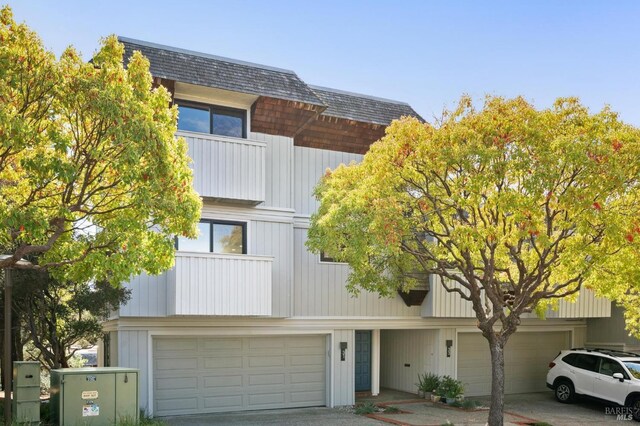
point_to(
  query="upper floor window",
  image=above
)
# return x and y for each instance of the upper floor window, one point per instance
(217, 120)
(217, 236)
(325, 258)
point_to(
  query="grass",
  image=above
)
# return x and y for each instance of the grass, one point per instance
(391, 409)
(145, 420)
(46, 420)
(366, 408)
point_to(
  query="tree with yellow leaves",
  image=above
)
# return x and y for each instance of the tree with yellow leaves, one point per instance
(93, 182)
(509, 207)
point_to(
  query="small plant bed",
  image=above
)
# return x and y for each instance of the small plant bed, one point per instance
(366, 408)
(428, 383)
(369, 408)
(450, 389)
(465, 404)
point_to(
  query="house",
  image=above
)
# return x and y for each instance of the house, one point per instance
(610, 332)
(248, 318)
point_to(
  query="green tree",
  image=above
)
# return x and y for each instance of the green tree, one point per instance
(509, 207)
(92, 180)
(59, 316)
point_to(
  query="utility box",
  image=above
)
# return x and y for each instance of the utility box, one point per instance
(26, 392)
(94, 396)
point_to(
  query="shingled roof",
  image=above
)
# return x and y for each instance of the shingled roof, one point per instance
(369, 109)
(202, 69)
(222, 73)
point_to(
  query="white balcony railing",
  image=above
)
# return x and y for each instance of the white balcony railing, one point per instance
(227, 168)
(218, 284)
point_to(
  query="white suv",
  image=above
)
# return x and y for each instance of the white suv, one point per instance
(608, 375)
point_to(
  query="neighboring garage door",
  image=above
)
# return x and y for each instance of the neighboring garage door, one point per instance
(527, 358)
(205, 375)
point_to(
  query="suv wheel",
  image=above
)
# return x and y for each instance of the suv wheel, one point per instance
(634, 405)
(565, 393)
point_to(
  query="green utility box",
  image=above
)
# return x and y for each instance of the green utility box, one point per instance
(94, 396)
(26, 392)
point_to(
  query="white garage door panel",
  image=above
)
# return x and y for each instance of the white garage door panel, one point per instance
(197, 375)
(527, 357)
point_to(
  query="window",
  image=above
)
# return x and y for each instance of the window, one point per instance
(217, 120)
(587, 362)
(570, 359)
(609, 366)
(217, 236)
(634, 368)
(325, 258)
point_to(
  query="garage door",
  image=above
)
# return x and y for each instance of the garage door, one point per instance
(206, 375)
(527, 358)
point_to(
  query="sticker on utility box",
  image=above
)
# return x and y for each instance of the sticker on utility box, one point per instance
(90, 410)
(89, 394)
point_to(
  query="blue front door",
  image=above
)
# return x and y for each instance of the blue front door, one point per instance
(363, 361)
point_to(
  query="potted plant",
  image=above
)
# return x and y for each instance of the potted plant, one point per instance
(451, 389)
(427, 384)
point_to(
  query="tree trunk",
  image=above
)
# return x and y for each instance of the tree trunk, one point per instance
(16, 337)
(496, 410)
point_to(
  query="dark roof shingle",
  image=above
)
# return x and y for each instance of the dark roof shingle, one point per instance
(222, 73)
(354, 106)
(238, 76)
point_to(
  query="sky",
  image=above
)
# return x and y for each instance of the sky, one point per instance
(426, 53)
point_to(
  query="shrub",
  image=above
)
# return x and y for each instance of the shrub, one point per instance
(366, 408)
(428, 382)
(470, 404)
(450, 387)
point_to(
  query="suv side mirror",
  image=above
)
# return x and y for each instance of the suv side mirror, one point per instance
(618, 376)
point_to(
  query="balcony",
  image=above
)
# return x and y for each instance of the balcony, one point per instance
(220, 285)
(227, 169)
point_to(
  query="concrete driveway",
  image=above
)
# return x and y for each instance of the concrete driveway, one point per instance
(519, 409)
(318, 416)
(544, 407)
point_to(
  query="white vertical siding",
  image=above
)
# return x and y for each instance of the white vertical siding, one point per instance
(403, 355)
(310, 165)
(446, 365)
(375, 362)
(133, 352)
(440, 303)
(215, 284)
(148, 296)
(275, 239)
(227, 168)
(587, 305)
(278, 166)
(320, 289)
(579, 337)
(609, 332)
(343, 371)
